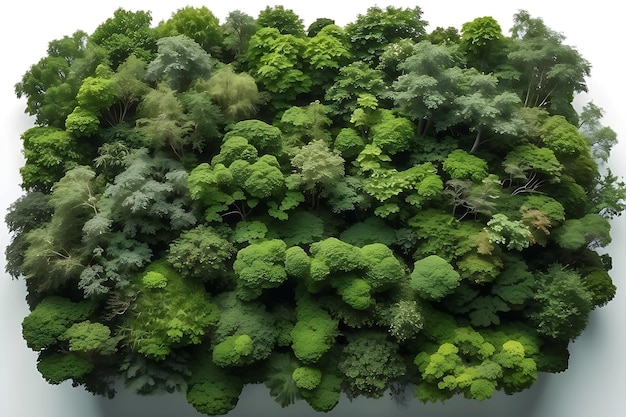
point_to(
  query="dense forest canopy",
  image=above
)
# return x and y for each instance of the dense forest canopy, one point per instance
(363, 209)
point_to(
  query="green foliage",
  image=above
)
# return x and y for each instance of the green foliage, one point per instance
(353, 80)
(145, 376)
(88, 337)
(512, 233)
(406, 320)
(393, 135)
(280, 379)
(265, 138)
(232, 351)
(236, 94)
(589, 231)
(433, 278)
(482, 40)
(51, 318)
(178, 62)
(563, 304)
(176, 314)
(238, 318)
(197, 23)
(370, 363)
(126, 33)
(461, 165)
(260, 266)
(303, 124)
(562, 137)
(306, 377)
(285, 20)
(317, 166)
(50, 94)
(154, 280)
(200, 253)
(371, 32)
(58, 367)
(28, 212)
(541, 62)
(212, 391)
(274, 61)
(314, 332)
(49, 153)
(238, 29)
(399, 212)
(348, 143)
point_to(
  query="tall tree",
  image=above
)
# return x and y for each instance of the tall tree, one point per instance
(238, 29)
(197, 23)
(375, 29)
(429, 85)
(285, 20)
(549, 72)
(126, 33)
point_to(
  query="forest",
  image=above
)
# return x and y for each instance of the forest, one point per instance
(369, 210)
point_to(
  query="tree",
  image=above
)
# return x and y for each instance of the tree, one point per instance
(600, 138)
(201, 253)
(163, 123)
(326, 53)
(128, 89)
(238, 318)
(179, 61)
(562, 304)
(563, 138)
(608, 195)
(369, 364)
(196, 23)
(428, 86)
(461, 165)
(259, 267)
(126, 33)
(314, 332)
(212, 390)
(482, 39)
(236, 94)
(57, 367)
(486, 109)
(267, 139)
(317, 167)
(371, 32)
(51, 318)
(354, 79)
(50, 86)
(588, 231)
(285, 20)
(303, 124)
(55, 253)
(49, 153)
(174, 313)
(25, 214)
(317, 25)
(549, 72)
(513, 233)
(441, 35)
(238, 29)
(433, 278)
(275, 61)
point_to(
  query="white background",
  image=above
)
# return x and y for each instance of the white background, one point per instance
(593, 386)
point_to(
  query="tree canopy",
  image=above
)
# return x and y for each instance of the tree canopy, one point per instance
(355, 209)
